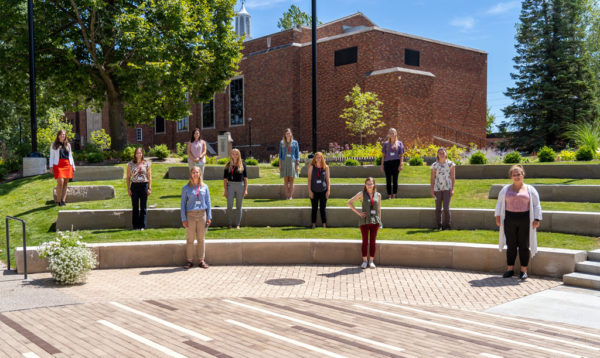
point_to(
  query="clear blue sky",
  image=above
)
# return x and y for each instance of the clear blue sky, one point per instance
(487, 25)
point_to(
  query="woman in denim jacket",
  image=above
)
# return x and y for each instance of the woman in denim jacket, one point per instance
(289, 159)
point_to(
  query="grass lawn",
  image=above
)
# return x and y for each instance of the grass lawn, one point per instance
(31, 199)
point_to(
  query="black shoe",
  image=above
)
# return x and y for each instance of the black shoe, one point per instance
(447, 227)
(523, 275)
(440, 228)
(62, 203)
(508, 274)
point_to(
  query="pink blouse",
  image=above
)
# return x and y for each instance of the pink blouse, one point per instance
(517, 202)
(196, 148)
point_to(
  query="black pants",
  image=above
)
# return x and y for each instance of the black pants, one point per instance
(319, 199)
(391, 175)
(139, 197)
(516, 230)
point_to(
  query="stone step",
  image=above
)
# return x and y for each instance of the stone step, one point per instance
(591, 267)
(594, 255)
(584, 280)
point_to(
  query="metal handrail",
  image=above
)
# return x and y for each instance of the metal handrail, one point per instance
(24, 244)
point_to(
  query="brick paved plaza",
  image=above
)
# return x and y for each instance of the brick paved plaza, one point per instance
(279, 311)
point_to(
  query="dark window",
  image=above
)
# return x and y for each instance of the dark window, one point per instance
(208, 114)
(411, 57)
(159, 125)
(346, 56)
(236, 102)
(138, 134)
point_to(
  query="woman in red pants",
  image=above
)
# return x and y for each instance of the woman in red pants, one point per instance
(370, 219)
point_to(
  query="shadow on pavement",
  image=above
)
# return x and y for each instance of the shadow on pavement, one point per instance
(346, 271)
(495, 282)
(162, 271)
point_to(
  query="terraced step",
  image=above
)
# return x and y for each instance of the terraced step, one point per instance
(591, 267)
(594, 255)
(584, 280)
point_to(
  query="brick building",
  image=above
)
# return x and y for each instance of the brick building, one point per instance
(431, 90)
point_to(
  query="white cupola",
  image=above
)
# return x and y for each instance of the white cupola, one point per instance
(242, 23)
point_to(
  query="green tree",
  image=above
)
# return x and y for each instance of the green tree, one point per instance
(294, 17)
(490, 118)
(552, 70)
(49, 125)
(138, 57)
(363, 115)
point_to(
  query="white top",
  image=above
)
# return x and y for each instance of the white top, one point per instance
(443, 180)
(55, 156)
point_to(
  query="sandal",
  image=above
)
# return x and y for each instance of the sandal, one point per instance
(188, 265)
(203, 265)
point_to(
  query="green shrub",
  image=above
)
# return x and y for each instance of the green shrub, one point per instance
(3, 172)
(478, 158)
(275, 162)
(184, 158)
(222, 161)
(251, 161)
(211, 160)
(512, 158)
(351, 162)
(13, 164)
(546, 154)
(78, 156)
(566, 155)
(95, 157)
(161, 151)
(127, 153)
(101, 139)
(378, 160)
(584, 153)
(416, 161)
(181, 149)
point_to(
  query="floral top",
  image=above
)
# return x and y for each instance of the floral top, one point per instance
(139, 171)
(443, 180)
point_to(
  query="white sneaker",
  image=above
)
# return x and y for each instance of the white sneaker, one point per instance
(372, 264)
(364, 265)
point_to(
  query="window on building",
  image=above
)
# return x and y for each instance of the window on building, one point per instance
(159, 125)
(182, 125)
(208, 114)
(236, 102)
(138, 134)
(411, 57)
(346, 56)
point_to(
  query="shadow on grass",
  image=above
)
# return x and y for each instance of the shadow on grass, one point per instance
(296, 228)
(52, 227)
(170, 196)
(162, 271)
(420, 231)
(343, 272)
(7, 187)
(494, 281)
(106, 231)
(266, 200)
(36, 210)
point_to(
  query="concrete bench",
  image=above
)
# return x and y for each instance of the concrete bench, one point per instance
(92, 173)
(559, 192)
(276, 191)
(363, 171)
(500, 171)
(211, 172)
(460, 256)
(77, 193)
(580, 223)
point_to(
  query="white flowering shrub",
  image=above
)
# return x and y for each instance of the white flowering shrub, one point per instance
(69, 260)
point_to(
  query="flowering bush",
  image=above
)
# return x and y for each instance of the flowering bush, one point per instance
(454, 153)
(68, 258)
(566, 155)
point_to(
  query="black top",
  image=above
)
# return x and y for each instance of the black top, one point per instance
(235, 175)
(318, 182)
(63, 152)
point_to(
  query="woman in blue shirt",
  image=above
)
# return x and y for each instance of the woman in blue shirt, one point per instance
(195, 216)
(289, 159)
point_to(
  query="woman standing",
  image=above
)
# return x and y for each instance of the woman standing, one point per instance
(196, 151)
(236, 186)
(195, 215)
(391, 162)
(139, 187)
(442, 187)
(63, 166)
(289, 159)
(318, 187)
(370, 218)
(518, 214)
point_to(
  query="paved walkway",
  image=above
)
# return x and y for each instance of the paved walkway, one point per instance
(280, 311)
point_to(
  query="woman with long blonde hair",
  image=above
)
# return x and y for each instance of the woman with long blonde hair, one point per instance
(235, 180)
(318, 187)
(391, 162)
(196, 216)
(62, 164)
(289, 160)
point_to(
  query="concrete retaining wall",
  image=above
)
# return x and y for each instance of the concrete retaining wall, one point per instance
(350, 172)
(477, 257)
(500, 171)
(92, 173)
(77, 193)
(211, 172)
(559, 192)
(276, 191)
(581, 223)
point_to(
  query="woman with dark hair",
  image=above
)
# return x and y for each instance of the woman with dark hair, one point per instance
(62, 164)
(196, 150)
(442, 187)
(318, 187)
(235, 180)
(518, 214)
(139, 187)
(195, 216)
(370, 218)
(289, 160)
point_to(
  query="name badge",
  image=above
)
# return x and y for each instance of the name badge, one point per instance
(318, 181)
(373, 212)
(289, 155)
(392, 153)
(198, 202)
(324, 185)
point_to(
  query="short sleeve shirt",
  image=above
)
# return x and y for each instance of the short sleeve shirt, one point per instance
(443, 180)
(139, 171)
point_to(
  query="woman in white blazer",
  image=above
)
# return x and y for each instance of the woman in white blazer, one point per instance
(518, 214)
(62, 164)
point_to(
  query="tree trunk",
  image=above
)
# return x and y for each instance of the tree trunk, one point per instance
(116, 119)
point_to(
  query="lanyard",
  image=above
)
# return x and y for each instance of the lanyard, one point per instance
(231, 176)
(319, 170)
(370, 197)
(289, 148)
(197, 192)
